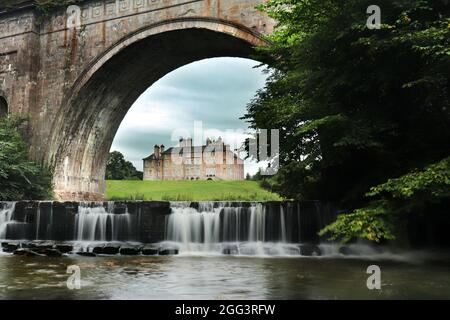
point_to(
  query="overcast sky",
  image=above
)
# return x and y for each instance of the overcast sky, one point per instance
(214, 92)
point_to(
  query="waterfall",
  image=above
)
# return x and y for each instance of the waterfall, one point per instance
(38, 221)
(253, 228)
(241, 228)
(6, 215)
(95, 223)
(283, 225)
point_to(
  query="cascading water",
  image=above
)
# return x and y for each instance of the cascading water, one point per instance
(9, 224)
(216, 227)
(43, 223)
(38, 222)
(236, 228)
(6, 214)
(95, 223)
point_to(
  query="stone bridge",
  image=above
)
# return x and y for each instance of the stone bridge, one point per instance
(76, 71)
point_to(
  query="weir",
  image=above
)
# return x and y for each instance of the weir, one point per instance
(232, 228)
(214, 227)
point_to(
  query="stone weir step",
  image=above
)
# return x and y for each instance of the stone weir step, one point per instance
(50, 249)
(59, 249)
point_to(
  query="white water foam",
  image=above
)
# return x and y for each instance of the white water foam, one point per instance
(6, 214)
(217, 228)
(95, 223)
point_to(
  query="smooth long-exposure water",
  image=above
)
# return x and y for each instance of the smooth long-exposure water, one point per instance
(221, 277)
(218, 251)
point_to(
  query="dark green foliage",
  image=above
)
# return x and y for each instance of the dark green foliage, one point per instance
(414, 192)
(20, 179)
(356, 107)
(117, 168)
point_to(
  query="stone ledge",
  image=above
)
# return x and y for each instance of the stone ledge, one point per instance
(13, 5)
(70, 196)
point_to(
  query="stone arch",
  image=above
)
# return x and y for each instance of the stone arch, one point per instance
(100, 98)
(3, 107)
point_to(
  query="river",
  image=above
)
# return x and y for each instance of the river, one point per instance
(223, 277)
(217, 251)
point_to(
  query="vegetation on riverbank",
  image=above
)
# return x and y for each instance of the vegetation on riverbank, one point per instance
(117, 168)
(20, 178)
(188, 191)
(364, 114)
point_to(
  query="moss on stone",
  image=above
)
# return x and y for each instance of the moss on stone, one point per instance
(41, 4)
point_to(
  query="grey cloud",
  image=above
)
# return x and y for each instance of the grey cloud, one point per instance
(214, 91)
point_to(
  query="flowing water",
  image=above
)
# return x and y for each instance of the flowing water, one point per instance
(226, 251)
(220, 277)
(100, 224)
(215, 228)
(5, 218)
(203, 228)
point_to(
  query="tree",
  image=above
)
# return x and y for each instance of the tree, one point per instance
(356, 107)
(117, 168)
(20, 179)
(417, 191)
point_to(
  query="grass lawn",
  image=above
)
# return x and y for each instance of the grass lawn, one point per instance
(188, 191)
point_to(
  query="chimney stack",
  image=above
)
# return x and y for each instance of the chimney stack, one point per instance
(186, 142)
(157, 151)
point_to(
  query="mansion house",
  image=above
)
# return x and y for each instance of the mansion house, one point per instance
(213, 161)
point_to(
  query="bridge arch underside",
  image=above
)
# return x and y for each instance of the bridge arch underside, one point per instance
(86, 125)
